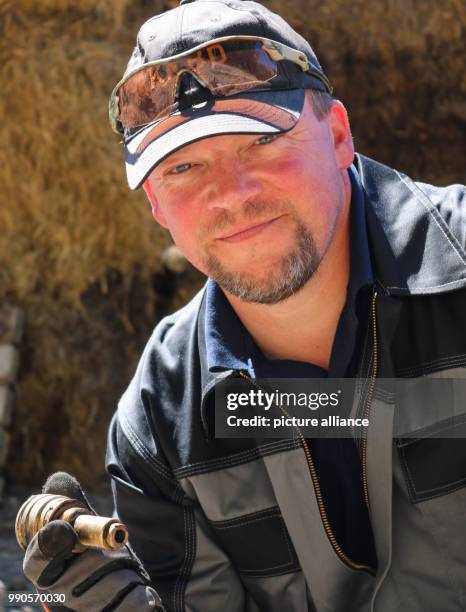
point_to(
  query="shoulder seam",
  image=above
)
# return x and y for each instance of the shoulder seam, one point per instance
(144, 453)
(439, 220)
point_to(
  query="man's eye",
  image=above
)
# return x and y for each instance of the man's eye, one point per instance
(180, 169)
(266, 139)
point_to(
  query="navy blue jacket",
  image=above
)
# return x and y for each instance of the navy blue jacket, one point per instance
(236, 524)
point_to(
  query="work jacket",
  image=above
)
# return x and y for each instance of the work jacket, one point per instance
(236, 525)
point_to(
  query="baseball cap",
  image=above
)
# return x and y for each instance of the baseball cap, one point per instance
(199, 113)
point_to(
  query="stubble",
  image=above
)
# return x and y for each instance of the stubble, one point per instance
(288, 277)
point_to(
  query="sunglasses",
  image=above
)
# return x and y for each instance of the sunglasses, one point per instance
(226, 66)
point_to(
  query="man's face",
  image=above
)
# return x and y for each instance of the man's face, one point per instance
(257, 213)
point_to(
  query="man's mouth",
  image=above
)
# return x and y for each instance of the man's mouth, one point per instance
(247, 231)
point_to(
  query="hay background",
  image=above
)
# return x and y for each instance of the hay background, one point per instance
(80, 252)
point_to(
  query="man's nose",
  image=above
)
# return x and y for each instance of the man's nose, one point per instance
(232, 186)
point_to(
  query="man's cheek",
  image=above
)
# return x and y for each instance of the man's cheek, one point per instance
(192, 248)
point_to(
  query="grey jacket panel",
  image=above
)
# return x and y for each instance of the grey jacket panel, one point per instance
(287, 592)
(428, 569)
(212, 572)
(333, 585)
(243, 506)
(240, 489)
(379, 474)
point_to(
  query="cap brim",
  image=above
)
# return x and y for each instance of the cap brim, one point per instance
(267, 112)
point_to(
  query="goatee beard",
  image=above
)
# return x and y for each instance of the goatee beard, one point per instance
(295, 270)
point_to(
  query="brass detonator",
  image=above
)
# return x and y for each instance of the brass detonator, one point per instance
(93, 531)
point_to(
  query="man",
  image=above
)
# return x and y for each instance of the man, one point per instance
(321, 264)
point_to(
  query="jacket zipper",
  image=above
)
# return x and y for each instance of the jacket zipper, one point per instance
(370, 395)
(310, 462)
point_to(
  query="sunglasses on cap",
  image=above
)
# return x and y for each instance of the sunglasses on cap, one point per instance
(225, 66)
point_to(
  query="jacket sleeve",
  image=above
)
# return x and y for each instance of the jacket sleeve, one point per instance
(168, 530)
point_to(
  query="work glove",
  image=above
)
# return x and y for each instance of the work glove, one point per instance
(93, 580)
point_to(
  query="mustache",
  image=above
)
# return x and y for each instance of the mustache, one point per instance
(252, 211)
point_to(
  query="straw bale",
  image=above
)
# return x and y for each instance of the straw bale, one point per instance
(398, 65)
(70, 230)
(81, 253)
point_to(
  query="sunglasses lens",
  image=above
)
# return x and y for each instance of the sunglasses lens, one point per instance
(236, 66)
(226, 68)
(146, 96)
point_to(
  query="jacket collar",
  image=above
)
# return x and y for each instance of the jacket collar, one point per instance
(413, 251)
(229, 345)
(209, 378)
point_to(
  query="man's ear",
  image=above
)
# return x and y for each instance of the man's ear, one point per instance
(156, 212)
(342, 137)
